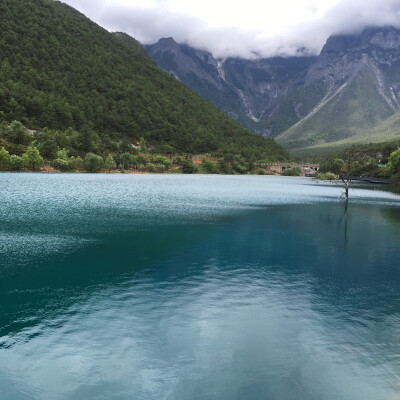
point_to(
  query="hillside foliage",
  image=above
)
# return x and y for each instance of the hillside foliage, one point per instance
(59, 70)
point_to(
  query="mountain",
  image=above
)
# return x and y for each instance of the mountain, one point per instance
(60, 70)
(386, 131)
(248, 90)
(350, 88)
(357, 80)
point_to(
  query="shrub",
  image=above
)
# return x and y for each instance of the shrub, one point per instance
(15, 162)
(76, 163)
(240, 169)
(150, 167)
(261, 171)
(93, 162)
(4, 159)
(188, 167)
(328, 176)
(61, 164)
(109, 163)
(32, 159)
(160, 168)
(335, 166)
(296, 171)
(209, 167)
(177, 161)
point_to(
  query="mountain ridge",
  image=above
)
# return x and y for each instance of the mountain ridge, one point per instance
(353, 85)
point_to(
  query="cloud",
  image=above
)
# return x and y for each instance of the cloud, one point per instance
(231, 29)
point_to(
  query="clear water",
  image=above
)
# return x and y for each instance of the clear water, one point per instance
(197, 287)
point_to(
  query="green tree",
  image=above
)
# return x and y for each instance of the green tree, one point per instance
(19, 134)
(109, 163)
(241, 169)
(4, 159)
(335, 166)
(209, 167)
(76, 163)
(32, 158)
(15, 162)
(251, 164)
(61, 162)
(143, 145)
(126, 160)
(229, 159)
(93, 162)
(393, 165)
(260, 171)
(296, 171)
(188, 167)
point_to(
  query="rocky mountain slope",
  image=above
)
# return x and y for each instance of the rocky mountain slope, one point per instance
(248, 90)
(350, 88)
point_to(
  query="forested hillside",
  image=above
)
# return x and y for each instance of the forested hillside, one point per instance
(60, 70)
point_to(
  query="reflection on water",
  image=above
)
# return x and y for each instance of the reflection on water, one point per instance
(197, 287)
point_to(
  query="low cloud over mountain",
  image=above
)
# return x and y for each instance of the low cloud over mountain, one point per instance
(251, 30)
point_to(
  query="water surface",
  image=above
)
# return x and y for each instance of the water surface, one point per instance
(197, 287)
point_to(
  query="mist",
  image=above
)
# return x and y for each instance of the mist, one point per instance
(259, 29)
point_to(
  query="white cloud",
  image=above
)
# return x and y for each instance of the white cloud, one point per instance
(227, 28)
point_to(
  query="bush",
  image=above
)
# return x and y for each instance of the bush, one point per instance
(209, 167)
(328, 176)
(188, 167)
(335, 166)
(93, 162)
(32, 159)
(296, 171)
(240, 169)
(222, 167)
(177, 161)
(160, 168)
(4, 159)
(166, 164)
(109, 163)
(61, 164)
(260, 171)
(76, 163)
(393, 165)
(15, 162)
(150, 167)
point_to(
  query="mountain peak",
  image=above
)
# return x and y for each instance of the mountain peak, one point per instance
(167, 42)
(387, 37)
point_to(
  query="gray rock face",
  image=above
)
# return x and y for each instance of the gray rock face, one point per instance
(269, 96)
(247, 90)
(181, 60)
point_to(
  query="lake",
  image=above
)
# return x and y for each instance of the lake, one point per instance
(183, 287)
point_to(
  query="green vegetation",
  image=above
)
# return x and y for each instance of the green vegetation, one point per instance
(260, 171)
(208, 167)
(63, 151)
(345, 120)
(327, 176)
(334, 166)
(86, 90)
(378, 160)
(295, 171)
(393, 166)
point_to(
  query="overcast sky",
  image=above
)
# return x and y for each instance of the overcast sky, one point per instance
(241, 28)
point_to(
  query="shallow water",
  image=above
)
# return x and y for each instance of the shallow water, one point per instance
(197, 287)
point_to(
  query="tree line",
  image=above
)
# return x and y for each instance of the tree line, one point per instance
(65, 151)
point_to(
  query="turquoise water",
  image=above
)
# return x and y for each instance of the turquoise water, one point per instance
(197, 287)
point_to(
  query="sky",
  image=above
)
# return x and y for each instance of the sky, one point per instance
(247, 29)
